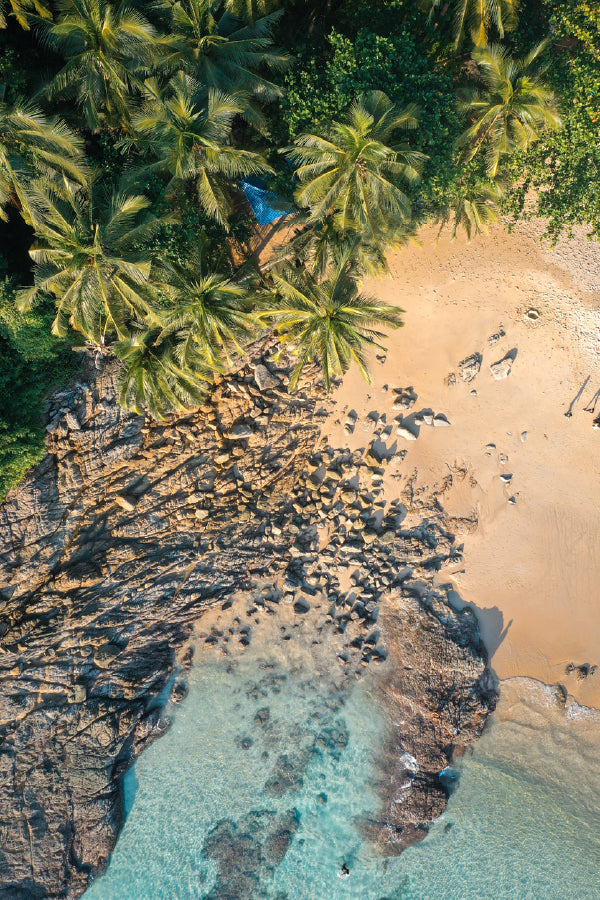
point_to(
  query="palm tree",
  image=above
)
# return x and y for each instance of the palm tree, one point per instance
(89, 254)
(23, 10)
(319, 247)
(151, 378)
(221, 53)
(250, 10)
(105, 45)
(476, 208)
(478, 17)
(329, 322)
(353, 171)
(210, 315)
(510, 108)
(192, 141)
(30, 144)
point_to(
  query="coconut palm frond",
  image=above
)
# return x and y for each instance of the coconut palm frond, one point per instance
(100, 282)
(328, 322)
(511, 107)
(354, 172)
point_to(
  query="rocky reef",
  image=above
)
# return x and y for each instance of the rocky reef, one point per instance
(131, 533)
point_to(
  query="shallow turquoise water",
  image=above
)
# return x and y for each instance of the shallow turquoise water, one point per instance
(260, 789)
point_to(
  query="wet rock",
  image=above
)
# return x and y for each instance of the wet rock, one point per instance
(248, 851)
(262, 716)
(288, 773)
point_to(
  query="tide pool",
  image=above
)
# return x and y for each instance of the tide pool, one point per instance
(264, 784)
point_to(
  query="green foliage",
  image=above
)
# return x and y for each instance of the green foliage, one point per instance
(24, 11)
(91, 256)
(320, 91)
(329, 322)
(190, 136)
(106, 45)
(509, 105)
(476, 19)
(353, 170)
(32, 144)
(225, 53)
(32, 363)
(563, 168)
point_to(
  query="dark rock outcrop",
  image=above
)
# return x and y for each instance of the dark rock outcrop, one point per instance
(116, 544)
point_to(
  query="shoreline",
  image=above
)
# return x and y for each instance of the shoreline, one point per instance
(129, 531)
(138, 515)
(529, 563)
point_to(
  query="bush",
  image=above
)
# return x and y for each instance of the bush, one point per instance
(32, 363)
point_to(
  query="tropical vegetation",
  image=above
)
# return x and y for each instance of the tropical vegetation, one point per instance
(128, 130)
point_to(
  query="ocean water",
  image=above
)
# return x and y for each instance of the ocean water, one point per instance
(264, 783)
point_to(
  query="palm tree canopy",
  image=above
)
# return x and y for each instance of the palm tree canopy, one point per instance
(152, 380)
(477, 207)
(477, 17)
(320, 246)
(105, 45)
(210, 314)
(192, 140)
(220, 52)
(250, 10)
(89, 256)
(329, 322)
(510, 108)
(30, 144)
(353, 171)
(23, 11)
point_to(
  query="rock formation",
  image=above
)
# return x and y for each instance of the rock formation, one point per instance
(129, 530)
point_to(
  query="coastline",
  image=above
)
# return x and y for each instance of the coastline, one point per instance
(129, 531)
(123, 510)
(529, 567)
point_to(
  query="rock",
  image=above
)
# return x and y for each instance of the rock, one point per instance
(469, 367)
(125, 502)
(105, 654)
(301, 606)
(406, 433)
(264, 379)
(501, 369)
(348, 496)
(201, 514)
(523, 437)
(240, 433)
(506, 478)
(72, 422)
(440, 421)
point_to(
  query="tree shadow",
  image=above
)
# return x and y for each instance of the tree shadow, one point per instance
(491, 622)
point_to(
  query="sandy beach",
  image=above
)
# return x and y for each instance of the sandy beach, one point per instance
(511, 461)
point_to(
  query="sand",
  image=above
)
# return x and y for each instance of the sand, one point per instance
(531, 567)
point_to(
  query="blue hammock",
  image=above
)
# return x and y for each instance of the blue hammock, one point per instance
(265, 205)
